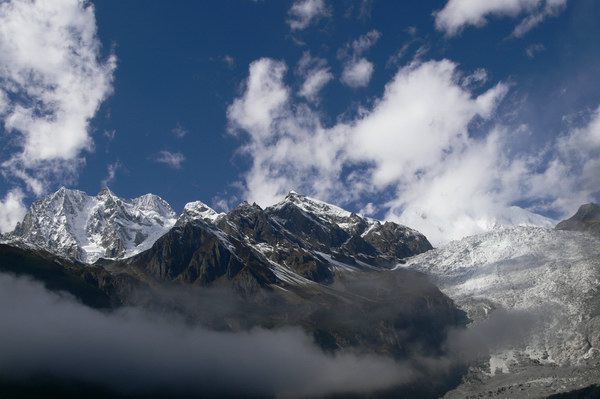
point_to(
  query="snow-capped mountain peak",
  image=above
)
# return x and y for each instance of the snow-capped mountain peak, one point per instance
(329, 213)
(73, 224)
(198, 210)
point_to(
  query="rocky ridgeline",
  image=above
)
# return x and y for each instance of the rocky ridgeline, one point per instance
(296, 241)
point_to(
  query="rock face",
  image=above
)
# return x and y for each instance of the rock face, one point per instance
(296, 242)
(586, 219)
(552, 275)
(71, 224)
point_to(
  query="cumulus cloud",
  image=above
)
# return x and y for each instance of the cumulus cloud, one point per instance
(316, 74)
(358, 70)
(458, 14)
(173, 160)
(305, 12)
(12, 210)
(357, 73)
(53, 80)
(264, 97)
(419, 154)
(127, 350)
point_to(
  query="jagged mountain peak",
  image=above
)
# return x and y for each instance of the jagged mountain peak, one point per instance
(72, 224)
(105, 192)
(198, 210)
(154, 203)
(314, 205)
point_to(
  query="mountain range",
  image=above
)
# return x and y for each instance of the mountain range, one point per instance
(303, 262)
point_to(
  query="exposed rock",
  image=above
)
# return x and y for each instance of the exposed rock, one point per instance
(586, 219)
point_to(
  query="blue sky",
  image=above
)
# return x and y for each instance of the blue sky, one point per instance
(449, 116)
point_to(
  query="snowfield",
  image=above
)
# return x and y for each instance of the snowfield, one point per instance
(553, 274)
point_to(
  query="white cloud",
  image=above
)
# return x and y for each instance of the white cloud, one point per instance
(469, 192)
(458, 14)
(358, 70)
(305, 12)
(3, 102)
(50, 67)
(171, 159)
(357, 73)
(229, 61)
(179, 131)
(533, 49)
(573, 173)
(264, 97)
(316, 74)
(365, 42)
(415, 143)
(423, 116)
(314, 83)
(12, 210)
(111, 173)
(476, 79)
(110, 134)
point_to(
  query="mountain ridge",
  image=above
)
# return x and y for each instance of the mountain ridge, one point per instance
(75, 225)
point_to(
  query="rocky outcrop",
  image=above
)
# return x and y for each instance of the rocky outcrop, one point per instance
(586, 219)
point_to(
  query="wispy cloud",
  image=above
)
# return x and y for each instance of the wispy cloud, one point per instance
(316, 74)
(171, 159)
(358, 70)
(303, 13)
(229, 61)
(110, 134)
(179, 131)
(457, 14)
(534, 49)
(111, 173)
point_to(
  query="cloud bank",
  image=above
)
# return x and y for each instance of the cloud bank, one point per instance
(132, 351)
(458, 14)
(420, 151)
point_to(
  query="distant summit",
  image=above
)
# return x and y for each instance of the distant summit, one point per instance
(72, 224)
(587, 219)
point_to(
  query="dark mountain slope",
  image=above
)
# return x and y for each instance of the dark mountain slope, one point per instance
(587, 218)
